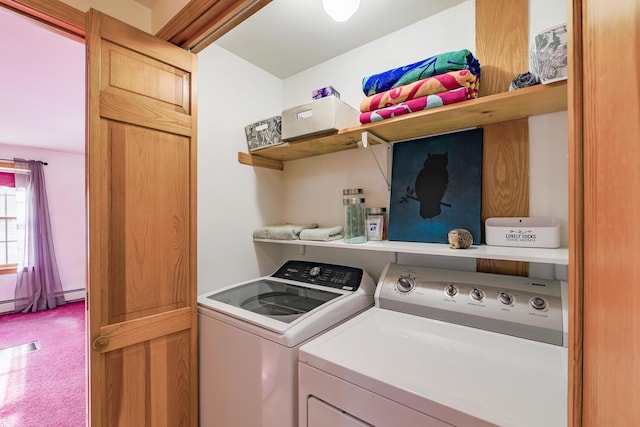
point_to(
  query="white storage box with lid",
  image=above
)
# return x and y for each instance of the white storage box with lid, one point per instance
(528, 232)
(316, 117)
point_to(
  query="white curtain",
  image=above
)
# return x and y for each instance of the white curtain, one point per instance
(38, 284)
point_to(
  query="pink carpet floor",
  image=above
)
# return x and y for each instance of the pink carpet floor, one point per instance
(46, 387)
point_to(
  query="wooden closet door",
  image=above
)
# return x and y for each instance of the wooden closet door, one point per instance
(611, 161)
(141, 181)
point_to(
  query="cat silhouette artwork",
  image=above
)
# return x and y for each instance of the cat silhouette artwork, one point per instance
(431, 184)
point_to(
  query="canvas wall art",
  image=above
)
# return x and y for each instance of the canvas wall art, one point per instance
(436, 186)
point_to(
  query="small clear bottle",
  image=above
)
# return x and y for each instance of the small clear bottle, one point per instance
(354, 216)
(376, 223)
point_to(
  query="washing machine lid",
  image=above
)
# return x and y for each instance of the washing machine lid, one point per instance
(275, 305)
(277, 300)
(297, 302)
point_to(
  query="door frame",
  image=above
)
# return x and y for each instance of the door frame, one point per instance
(196, 26)
(576, 213)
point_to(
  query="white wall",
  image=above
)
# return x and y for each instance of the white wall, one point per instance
(544, 14)
(310, 190)
(64, 177)
(233, 199)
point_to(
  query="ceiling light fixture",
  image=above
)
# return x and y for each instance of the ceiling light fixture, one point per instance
(340, 10)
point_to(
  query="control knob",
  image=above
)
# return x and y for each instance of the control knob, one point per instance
(314, 272)
(506, 298)
(538, 303)
(405, 284)
(450, 290)
(477, 294)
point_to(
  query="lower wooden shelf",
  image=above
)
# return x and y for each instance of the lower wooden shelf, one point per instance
(558, 256)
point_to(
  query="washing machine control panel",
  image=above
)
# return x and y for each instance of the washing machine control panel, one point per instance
(330, 275)
(520, 306)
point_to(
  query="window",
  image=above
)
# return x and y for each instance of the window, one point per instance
(12, 201)
(8, 230)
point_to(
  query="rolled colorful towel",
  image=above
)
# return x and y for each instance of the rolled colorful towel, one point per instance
(413, 105)
(429, 86)
(434, 65)
(322, 233)
(282, 231)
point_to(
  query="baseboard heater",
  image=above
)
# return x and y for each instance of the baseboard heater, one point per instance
(69, 295)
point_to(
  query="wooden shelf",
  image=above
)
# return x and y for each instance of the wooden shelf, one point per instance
(558, 256)
(518, 104)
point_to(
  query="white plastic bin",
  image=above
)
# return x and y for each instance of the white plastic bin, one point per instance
(529, 232)
(316, 117)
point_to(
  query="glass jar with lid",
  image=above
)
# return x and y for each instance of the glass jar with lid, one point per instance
(354, 215)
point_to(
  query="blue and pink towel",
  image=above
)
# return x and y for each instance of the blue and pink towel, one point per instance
(416, 104)
(426, 80)
(429, 86)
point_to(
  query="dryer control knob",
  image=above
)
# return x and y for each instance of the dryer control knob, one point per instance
(405, 284)
(506, 298)
(477, 294)
(538, 303)
(450, 290)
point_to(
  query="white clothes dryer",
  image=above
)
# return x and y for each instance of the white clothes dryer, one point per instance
(250, 334)
(442, 348)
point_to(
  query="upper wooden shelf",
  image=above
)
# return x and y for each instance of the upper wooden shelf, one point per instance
(518, 104)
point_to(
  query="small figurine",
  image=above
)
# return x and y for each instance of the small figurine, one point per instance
(459, 238)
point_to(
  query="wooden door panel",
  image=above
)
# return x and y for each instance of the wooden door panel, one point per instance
(144, 85)
(141, 75)
(141, 181)
(147, 380)
(170, 360)
(149, 224)
(144, 76)
(122, 34)
(126, 385)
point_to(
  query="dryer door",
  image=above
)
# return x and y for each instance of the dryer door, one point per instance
(322, 414)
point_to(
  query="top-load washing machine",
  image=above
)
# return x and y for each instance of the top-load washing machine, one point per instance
(443, 348)
(250, 334)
